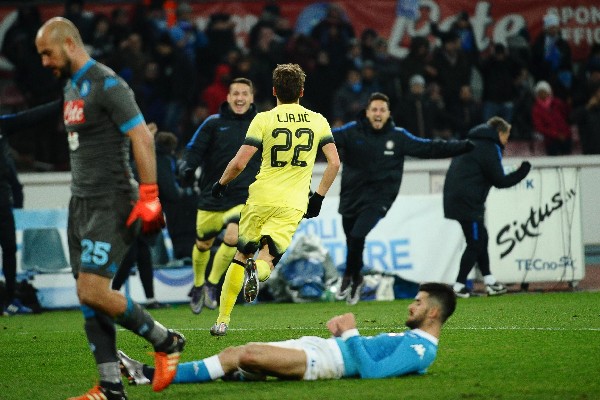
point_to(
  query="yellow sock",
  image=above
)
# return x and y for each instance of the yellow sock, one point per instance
(234, 280)
(263, 270)
(221, 261)
(199, 263)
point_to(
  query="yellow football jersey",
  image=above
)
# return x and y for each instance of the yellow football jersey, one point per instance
(289, 137)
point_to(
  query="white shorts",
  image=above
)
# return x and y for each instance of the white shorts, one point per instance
(323, 356)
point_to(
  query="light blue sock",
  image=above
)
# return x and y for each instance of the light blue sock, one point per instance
(205, 370)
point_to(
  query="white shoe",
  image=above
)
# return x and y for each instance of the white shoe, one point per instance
(132, 369)
(495, 289)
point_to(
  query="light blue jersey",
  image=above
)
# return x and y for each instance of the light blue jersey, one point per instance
(388, 355)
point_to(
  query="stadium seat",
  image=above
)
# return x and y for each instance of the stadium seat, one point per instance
(43, 251)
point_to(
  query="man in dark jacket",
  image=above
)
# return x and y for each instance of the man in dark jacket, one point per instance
(215, 143)
(468, 182)
(373, 151)
(11, 196)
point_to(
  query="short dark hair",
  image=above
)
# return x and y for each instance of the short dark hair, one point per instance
(288, 81)
(499, 124)
(244, 81)
(443, 294)
(378, 96)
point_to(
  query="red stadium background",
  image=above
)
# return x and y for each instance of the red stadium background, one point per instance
(393, 19)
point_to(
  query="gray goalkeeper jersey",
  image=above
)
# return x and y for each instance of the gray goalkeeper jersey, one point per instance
(99, 109)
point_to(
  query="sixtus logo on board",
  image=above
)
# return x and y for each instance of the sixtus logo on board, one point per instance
(513, 233)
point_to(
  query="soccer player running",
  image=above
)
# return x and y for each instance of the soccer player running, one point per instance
(215, 143)
(105, 212)
(288, 138)
(346, 355)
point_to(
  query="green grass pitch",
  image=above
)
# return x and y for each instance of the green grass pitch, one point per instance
(517, 346)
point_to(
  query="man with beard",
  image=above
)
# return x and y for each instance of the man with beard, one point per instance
(105, 212)
(372, 150)
(345, 355)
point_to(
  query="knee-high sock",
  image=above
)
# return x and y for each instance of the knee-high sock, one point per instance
(102, 338)
(263, 270)
(140, 322)
(205, 370)
(199, 263)
(234, 280)
(223, 257)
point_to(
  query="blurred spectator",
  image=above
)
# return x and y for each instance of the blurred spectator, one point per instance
(416, 62)
(120, 27)
(150, 94)
(415, 112)
(179, 204)
(320, 86)
(266, 52)
(198, 113)
(370, 80)
(584, 86)
(334, 34)
(522, 122)
(102, 42)
(368, 40)
(354, 58)
(587, 118)
(83, 20)
(270, 17)
(186, 35)
(149, 21)
(388, 71)
(499, 72)
(221, 39)
(216, 93)
(130, 60)
(551, 57)
(349, 99)
(177, 81)
(452, 68)
(519, 47)
(464, 29)
(35, 82)
(303, 50)
(464, 114)
(550, 118)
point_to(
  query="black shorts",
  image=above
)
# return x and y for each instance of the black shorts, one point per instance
(97, 235)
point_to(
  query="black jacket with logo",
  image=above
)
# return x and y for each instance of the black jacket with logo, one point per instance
(374, 162)
(214, 144)
(471, 176)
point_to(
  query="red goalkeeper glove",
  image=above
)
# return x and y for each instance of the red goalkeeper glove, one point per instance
(148, 209)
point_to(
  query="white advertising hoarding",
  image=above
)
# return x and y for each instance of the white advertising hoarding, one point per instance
(535, 228)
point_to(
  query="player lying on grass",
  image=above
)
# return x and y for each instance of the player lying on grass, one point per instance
(347, 354)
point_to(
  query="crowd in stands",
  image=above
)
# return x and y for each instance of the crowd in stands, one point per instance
(444, 86)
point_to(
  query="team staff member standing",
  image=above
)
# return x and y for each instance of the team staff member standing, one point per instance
(288, 137)
(11, 196)
(468, 182)
(100, 113)
(373, 150)
(215, 143)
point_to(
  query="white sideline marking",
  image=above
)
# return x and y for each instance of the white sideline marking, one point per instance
(401, 329)
(395, 329)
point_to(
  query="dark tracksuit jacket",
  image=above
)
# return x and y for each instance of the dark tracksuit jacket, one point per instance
(214, 144)
(374, 162)
(471, 176)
